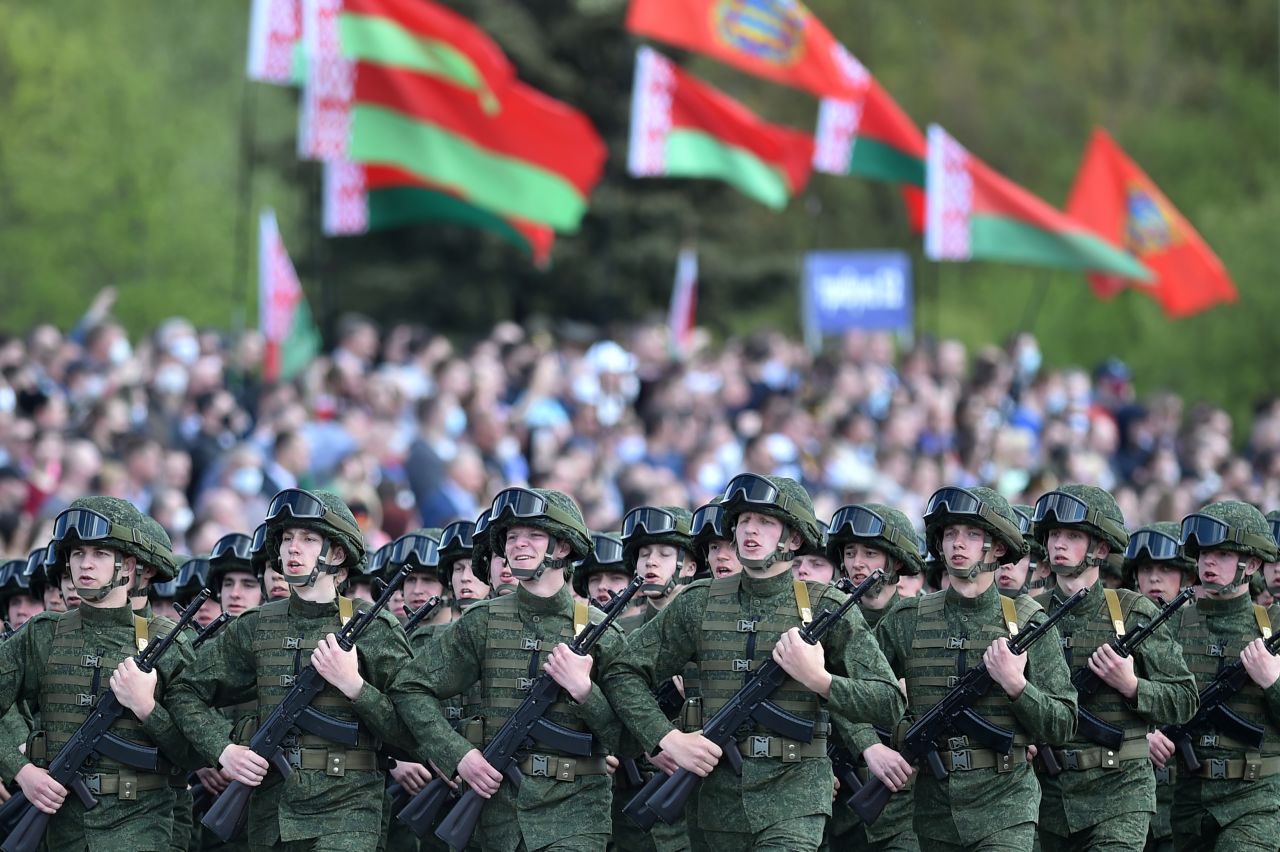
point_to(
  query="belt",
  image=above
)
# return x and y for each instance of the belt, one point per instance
(333, 762)
(790, 751)
(1245, 769)
(124, 786)
(1080, 759)
(983, 758)
(562, 768)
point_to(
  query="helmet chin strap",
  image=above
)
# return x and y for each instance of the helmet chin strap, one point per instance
(1236, 581)
(118, 580)
(661, 590)
(778, 555)
(982, 566)
(546, 563)
(310, 580)
(1072, 571)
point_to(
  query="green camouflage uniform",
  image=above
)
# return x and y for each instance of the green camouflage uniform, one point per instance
(934, 637)
(1229, 813)
(774, 804)
(1103, 798)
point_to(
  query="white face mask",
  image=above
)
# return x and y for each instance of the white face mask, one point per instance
(8, 399)
(247, 481)
(171, 380)
(120, 350)
(182, 520)
(185, 349)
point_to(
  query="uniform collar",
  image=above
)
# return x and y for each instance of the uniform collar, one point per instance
(1231, 606)
(559, 602)
(122, 615)
(304, 608)
(988, 600)
(766, 587)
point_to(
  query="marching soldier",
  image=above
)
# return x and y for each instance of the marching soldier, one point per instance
(1104, 797)
(658, 545)
(714, 542)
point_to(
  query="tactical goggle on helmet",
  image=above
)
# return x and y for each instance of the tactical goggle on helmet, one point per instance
(523, 504)
(86, 525)
(963, 504)
(1067, 509)
(304, 506)
(457, 541)
(422, 552)
(1151, 546)
(648, 520)
(755, 490)
(1201, 532)
(708, 524)
(861, 522)
(606, 555)
(233, 546)
(380, 558)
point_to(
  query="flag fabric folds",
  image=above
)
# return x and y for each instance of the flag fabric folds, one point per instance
(292, 340)
(684, 302)
(975, 213)
(682, 127)
(275, 35)
(1114, 197)
(779, 40)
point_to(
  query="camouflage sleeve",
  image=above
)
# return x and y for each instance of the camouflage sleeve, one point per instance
(596, 711)
(1047, 707)
(223, 673)
(888, 638)
(651, 655)
(13, 733)
(1167, 692)
(160, 726)
(863, 687)
(1271, 695)
(383, 651)
(20, 669)
(454, 664)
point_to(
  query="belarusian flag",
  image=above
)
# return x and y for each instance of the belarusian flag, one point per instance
(779, 40)
(291, 337)
(1113, 196)
(275, 37)
(324, 114)
(872, 137)
(533, 158)
(681, 127)
(976, 213)
(359, 199)
(427, 37)
(684, 302)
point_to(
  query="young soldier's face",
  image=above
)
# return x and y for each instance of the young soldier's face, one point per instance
(1271, 574)
(300, 551)
(811, 568)
(93, 567)
(602, 585)
(1219, 566)
(500, 571)
(656, 563)
(526, 547)
(724, 562)
(757, 535)
(277, 588)
(466, 585)
(962, 545)
(1158, 580)
(53, 601)
(860, 561)
(910, 585)
(1011, 576)
(419, 587)
(1067, 546)
(70, 597)
(240, 591)
(22, 608)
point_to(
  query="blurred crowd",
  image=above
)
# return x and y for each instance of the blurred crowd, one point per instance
(413, 429)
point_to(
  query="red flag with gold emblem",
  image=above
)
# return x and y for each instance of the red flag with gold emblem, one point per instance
(1116, 199)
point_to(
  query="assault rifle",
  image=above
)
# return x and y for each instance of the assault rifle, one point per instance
(1087, 684)
(92, 737)
(295, 711)
(666, 799)
(955, 714)
(421, 613)
(525, 726)
(1214, 713)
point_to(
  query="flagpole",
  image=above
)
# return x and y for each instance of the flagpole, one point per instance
(1036, 302)
(244, 214)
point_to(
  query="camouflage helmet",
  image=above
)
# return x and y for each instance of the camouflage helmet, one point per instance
(1028, 528)
(879, 526)
(1229, 525)
(420, 550)
(819, 549)
(776, 496)
(481, 549)
(708, 525)
(14, 581)
(656, 525)
(127, 531)
(232, 552)
(322, 511)
(190, 578)
(457, 541)
(551, 511)
(165, 561)
(1273, 521)
(1083, 507)
(1161, 543)
(606, 555)
(979, 507)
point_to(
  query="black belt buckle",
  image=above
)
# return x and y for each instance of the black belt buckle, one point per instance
(93, 783)
(960, 760)
(293, 756)
(1217, 769)
(1209, 741)
(85, 699)
(957, 743)
(527, 644)
(91, 662)
(746, 626)
(1070, 759)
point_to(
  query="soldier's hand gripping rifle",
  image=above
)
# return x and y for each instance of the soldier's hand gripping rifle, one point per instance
(665, 799)
(1087, 684)
(92, 737)
(295, 711)
(1214, 712)
(525, 726)
(955, 714)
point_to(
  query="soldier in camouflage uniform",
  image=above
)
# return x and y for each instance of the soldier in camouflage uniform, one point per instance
(714, 541)
(1233, 802)
(564, 801)
(988, 801)
(864, 539)
(1104, 798)
(1015, 578)
(1156, 567)
(21, 595)
(59, 662)
(266, 565)
(1271, 570)
(604, 573)
(727, 626)
(812, 564)
(333, 800)
(657, 544)
(500, 579)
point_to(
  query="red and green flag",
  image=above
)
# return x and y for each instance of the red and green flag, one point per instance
(292, 340)
(1113, 196)
(528, 156)
(275, 42)
(975, 213)
(362, 198)
(871, 136)
(682, 127)
(779, 40)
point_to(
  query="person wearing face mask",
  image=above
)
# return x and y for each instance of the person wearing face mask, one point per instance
(102, 544)
(564, 800)
(1104, 797)
(863, 539)
(1231, 802)
(727, 627)
(989, 800)
(316, 541)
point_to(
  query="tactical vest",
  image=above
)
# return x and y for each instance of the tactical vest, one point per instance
(1206, 655)
(731, 649)
(281, 656)
(76, 677)
(511, 665)
(938, 659)
(1106, 621)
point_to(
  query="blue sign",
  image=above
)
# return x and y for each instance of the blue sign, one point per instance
(846, 290)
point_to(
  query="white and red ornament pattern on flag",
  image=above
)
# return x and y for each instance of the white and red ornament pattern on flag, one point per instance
(275, 27)
(346, 199)
(324, 121)
(949, 205)
(279, 289)
(651, 98)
